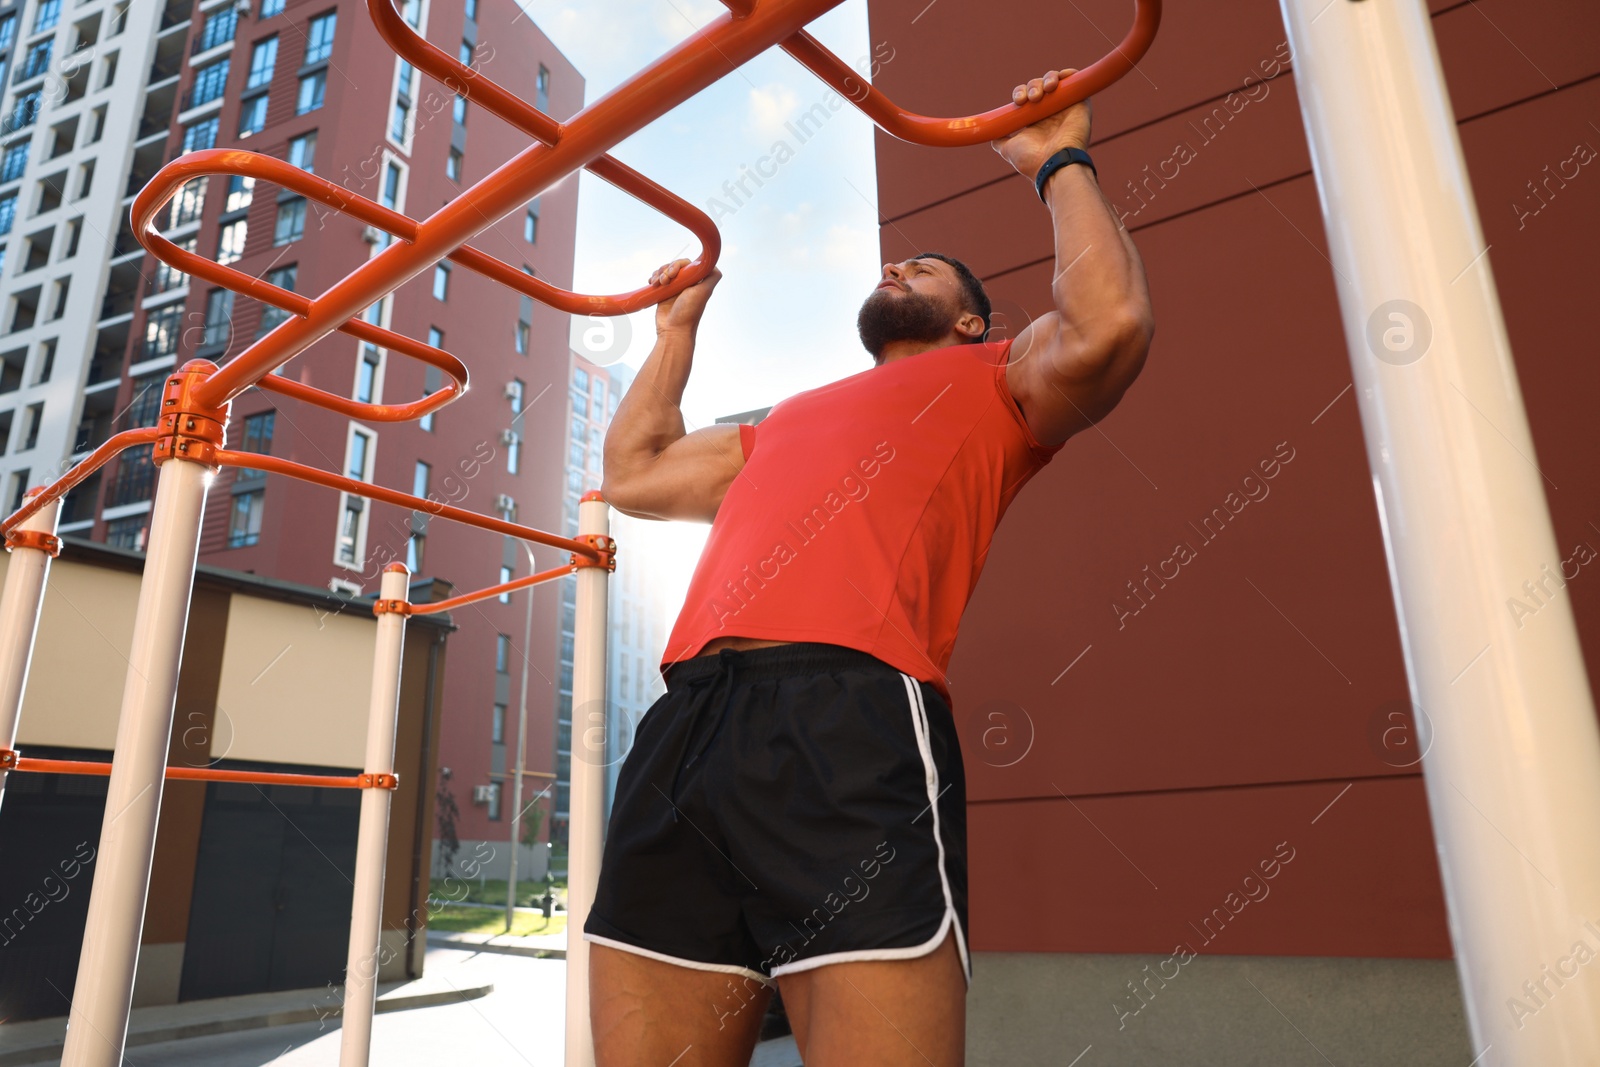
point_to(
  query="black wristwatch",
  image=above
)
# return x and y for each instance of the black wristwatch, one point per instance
(1065, 157)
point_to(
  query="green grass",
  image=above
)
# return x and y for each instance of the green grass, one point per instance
(449, 918)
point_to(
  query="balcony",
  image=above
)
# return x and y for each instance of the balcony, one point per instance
(134, 481)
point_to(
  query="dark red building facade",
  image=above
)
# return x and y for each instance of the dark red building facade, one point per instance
(1181, 669)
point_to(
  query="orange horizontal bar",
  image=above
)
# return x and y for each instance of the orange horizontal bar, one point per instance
(85, 467)
(494, 590)
(289, 468)
(205, 774)
(977, 129)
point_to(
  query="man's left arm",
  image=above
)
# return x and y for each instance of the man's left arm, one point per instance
(1070, 367)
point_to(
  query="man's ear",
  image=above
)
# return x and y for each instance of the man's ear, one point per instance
(970, 325)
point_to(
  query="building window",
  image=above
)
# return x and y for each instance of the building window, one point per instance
(419, 480)
(390, 197)
(241, 190)
(218, 30)
(167, 277)
(458, 110)
(16, 160)
(441, 281)
(397, 122)
(312, 89)
(126, 532)
(201, 135)
(358, 465)
(8, 34)
(210, 81)
(8, 212)
(502, 653)
(303, 151)
(497, 725)
(367, 374)
(190, 201)
(283, 278)
(530, 223)
(414, 548)
(258, 433)
(244, 523)
(46, 15)
(270, 8)
(472, 10)
(252, 115)
(24, 112)
(505, 576)
(230, 240)
(291, 224)
(38, 60)
(580, 379)
(162, 327)
(513, 454)
(542, 89)
(494, 802)
(263, 60)
(452, 165)
(219, 317)
(319, 38)
(524, 338)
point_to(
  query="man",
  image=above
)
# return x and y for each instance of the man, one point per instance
(793, 809)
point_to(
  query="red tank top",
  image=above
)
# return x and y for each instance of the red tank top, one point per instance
(865, 511)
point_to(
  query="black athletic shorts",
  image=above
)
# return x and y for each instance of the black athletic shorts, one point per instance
(784, 808)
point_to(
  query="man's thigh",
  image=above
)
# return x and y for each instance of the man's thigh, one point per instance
(645, 1011)
(889, 1013)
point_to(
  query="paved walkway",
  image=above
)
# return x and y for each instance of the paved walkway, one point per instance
(537, 945)
(42, 1039)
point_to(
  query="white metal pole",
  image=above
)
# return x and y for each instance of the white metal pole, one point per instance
(586, 798)
(522, 754)
(19, 618)
(372, 846)
(1513, 753)
(97, 1026)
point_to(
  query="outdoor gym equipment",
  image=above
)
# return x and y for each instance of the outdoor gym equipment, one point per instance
(1458, 518)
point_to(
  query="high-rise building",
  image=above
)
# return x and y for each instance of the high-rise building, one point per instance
(107, 91)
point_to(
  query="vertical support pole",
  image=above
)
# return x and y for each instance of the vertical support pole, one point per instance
(32, 545)
(587, 796)
(1512, 764)
(521, 765)
(97, 1026)
(372, 846)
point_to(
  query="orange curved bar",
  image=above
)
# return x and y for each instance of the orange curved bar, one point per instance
(171, 178)
(203, 774)
(85, 467)
(436, 606)
(977, 129)
(289, 468)
(489, 94)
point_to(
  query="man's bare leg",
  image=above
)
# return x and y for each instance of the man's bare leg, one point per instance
(647, 1013)
(889, 1013)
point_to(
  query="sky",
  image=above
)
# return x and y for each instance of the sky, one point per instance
(799, 254)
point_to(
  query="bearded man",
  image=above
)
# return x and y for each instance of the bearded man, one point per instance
(793, 810)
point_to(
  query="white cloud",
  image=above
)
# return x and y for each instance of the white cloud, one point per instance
(769, 108)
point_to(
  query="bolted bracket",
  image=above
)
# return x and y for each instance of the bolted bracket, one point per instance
(378, 781)
(45, 542)
(189, 430)
(608, 552)
(391, 607)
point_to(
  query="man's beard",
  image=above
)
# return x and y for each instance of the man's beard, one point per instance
(886, 317)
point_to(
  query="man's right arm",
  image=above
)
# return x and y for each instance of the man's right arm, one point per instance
(653, 469)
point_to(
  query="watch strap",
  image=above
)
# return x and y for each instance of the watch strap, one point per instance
(1064, 158)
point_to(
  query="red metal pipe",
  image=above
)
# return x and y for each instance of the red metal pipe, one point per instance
(464, 599)
(85, 467)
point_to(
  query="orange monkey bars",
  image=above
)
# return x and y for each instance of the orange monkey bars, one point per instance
(11, 760)
(195, 410)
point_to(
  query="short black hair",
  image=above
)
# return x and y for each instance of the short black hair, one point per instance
(977, 299)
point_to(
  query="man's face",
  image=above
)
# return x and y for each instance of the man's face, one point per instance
(915, 300)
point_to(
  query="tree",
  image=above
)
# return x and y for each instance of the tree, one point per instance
(445, 815)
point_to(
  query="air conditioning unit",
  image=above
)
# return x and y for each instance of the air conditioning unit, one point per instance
(372, 235)
(482, 794)
(508, 437)
(241, 7)
(513, 390)
(503, 502)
